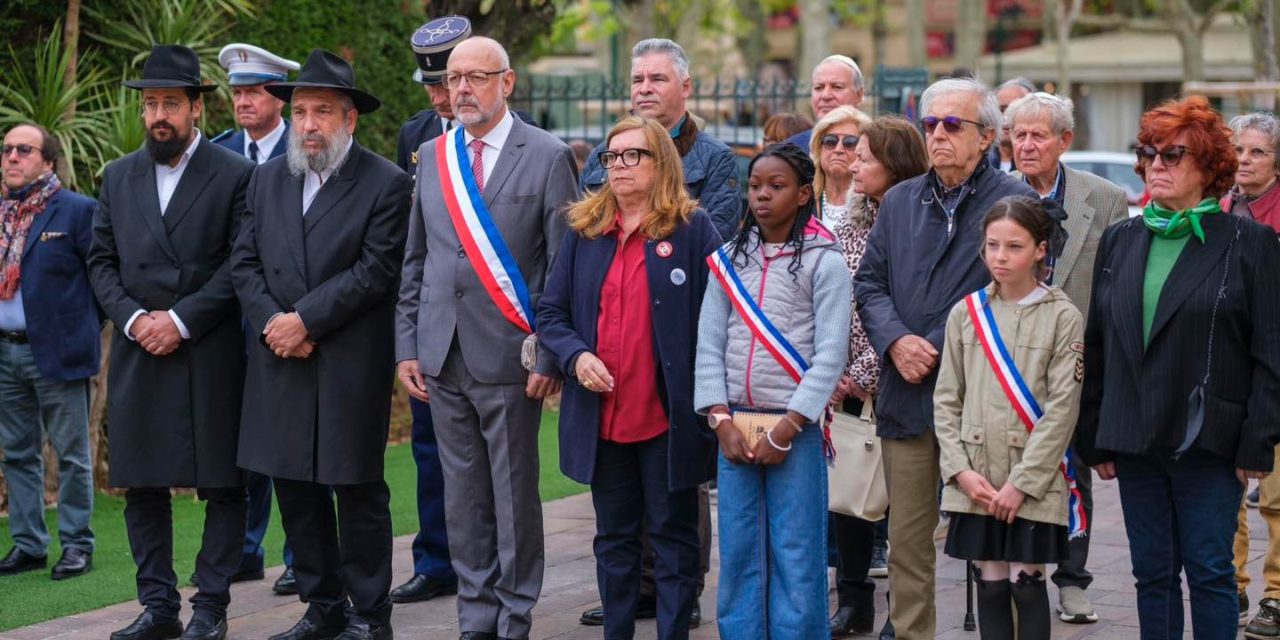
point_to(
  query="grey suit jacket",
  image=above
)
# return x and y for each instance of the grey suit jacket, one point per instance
(441, 296)
(1092, 205)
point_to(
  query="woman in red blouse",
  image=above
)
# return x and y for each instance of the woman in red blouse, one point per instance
(620, 314)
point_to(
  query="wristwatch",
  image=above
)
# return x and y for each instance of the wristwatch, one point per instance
(714, 419)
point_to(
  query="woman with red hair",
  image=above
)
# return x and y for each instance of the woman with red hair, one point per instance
(1181, 367)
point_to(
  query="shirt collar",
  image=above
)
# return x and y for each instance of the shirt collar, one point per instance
(186, 155)
(268, 142)
(675, 131)
(497, 136)
(328, 171)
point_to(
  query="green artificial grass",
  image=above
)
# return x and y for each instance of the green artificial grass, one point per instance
(32, 597)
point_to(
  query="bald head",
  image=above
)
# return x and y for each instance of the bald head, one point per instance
(483, 48)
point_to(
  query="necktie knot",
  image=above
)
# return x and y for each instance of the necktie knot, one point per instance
(253, 151)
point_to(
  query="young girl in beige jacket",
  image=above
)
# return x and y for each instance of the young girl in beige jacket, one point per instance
(1005, 407)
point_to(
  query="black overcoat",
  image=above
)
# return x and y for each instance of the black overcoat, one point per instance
(172, 421)
(324, 418)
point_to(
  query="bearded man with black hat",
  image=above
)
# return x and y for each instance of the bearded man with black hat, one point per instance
(162, 234)
(316, 267)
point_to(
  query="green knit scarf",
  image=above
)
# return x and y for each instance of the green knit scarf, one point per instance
(1176, 224)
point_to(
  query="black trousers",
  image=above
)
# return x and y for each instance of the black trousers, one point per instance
(1071, 572)
(148, 519)
(341, 560)
(853, 540)
(630, 487)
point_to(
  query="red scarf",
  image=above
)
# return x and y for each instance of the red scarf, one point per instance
(16, 216)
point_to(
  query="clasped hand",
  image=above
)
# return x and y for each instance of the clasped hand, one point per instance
(1003, 504)
(914, 357)
(156, 332)
(286, 336)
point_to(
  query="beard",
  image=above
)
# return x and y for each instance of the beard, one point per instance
(164, 151)
(471, 118)
(328, 157)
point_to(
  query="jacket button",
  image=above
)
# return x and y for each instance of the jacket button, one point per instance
(457, 294)
(462, 253)
(657, 302)
(668, 365)
(277, 271)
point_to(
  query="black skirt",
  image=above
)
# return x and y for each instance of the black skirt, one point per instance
(974, 537)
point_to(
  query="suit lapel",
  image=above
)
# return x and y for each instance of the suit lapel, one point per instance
(1128, 269)
(334, 188)
(38, 225)
(147, 201)
(507, 160)
(199, 172)
(291, 221)
(1195, 264)
(1079, 218)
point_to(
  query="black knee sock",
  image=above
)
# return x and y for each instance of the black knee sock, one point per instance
(1031, 596)
(995, 613)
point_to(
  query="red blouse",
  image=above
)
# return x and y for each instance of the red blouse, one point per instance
(633, 412)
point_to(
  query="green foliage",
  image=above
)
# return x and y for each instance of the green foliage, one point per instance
(122, 106)
(34, 92)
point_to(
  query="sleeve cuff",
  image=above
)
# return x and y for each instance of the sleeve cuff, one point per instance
(182, 328)
(128, 326)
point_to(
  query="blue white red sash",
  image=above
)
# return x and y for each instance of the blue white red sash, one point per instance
(1024, 404)
(768, 335)
(488, 253)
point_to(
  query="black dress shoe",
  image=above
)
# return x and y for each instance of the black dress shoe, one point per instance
(366, 631)
(695, 616)
(285, 585)
(850, 620)
(206, 627)
(74, 562)
(247, 575)
(18, 561)
(148, 626)
(477, 635)
(592, 617)
(307, 629)
(420, 588)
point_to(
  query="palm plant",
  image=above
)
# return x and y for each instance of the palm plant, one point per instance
(122, 109)
(33, 91)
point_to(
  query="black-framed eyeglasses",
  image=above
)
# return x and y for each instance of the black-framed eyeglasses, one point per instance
(24, 150)
(477, 79)
(1256, 153)
(629, 157)
(1170, 155)
(848, 141)
(952, 124)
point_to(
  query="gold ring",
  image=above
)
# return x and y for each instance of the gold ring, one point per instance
(589, 385)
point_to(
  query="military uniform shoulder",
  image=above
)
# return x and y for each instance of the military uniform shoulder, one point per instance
(420, 116)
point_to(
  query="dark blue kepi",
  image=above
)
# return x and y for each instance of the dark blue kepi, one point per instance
(433, 42)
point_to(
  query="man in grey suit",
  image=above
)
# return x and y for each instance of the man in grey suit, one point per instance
(458, 341)
(1040, 126)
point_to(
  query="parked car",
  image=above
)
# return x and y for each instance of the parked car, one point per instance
(1114, 166)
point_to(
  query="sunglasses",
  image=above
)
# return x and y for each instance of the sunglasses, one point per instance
(952, 124)
(1170, 155)
(849, 142)
(23, 150)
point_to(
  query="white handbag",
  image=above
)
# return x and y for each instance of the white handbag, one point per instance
(855, 480)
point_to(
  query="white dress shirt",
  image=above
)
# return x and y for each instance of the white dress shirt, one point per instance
(493, 143)
(267, 144)
(311, 185)
(167, 179)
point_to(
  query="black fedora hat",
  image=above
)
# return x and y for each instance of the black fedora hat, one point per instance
(326, 70)
(170, 66)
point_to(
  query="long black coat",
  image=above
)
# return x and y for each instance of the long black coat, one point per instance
(324, 418)
(172, 421)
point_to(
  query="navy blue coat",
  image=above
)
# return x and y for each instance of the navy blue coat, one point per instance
(63, 320)
(567, 319)
(235, 142)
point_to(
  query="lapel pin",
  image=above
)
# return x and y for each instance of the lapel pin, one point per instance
(677, 276)
(664, 250)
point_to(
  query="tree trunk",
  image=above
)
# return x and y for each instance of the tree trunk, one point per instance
(1066, 13)
(917, 53)
(1263, 38)
(970, 32)
(71, 47)
(878, 33)
(815, 37)
(751, 40)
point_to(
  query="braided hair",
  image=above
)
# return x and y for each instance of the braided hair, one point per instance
(802, 165)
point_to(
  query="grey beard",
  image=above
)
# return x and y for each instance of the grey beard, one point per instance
(330, 157)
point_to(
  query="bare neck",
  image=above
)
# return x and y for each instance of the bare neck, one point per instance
(258, 133)
(837, 189)
(1045, 182)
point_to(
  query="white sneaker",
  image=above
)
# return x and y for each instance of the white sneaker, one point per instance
(1074, 606)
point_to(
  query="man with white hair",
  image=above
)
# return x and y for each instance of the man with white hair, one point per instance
(922, 257)
(836, 82)
(1041, 128)
(315, 268)
(1001, 155)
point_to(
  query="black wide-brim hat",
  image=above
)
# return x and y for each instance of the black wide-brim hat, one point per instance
(326, 70)
(171, 66)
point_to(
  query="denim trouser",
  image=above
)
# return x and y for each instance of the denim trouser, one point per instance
(27, 403)
(1180, 515)
(773, 545)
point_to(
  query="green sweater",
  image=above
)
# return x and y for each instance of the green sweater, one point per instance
(1164, 253)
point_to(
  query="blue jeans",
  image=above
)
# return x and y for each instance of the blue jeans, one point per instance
(773, 545)
(28, 401)
(1181, 515)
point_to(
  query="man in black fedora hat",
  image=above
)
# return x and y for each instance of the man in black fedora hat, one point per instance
(162, 234)
(316, 267)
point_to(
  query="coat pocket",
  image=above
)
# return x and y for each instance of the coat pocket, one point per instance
(974, 439)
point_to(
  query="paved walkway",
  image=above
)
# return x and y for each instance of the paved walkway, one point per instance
(569, 588)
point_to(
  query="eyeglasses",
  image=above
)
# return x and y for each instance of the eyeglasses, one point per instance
(23, 150)
(477, 79)
(1170, 156)
(952, 124)
(171, 107)
(629, 157)
(849, 142)
(1256, 153)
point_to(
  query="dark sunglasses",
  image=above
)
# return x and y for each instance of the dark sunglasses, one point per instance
(952, 124)
(849, 142)
(1170, 155)
(23, 150)
(628, 157)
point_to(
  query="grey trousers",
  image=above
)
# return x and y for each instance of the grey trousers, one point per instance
(488, 439)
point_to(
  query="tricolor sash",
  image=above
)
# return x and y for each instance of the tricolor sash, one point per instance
(768, 335)
(484, 246)
(1024, 404)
